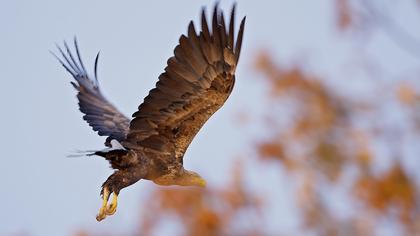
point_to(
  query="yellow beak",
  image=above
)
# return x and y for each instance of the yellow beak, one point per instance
(202, 183)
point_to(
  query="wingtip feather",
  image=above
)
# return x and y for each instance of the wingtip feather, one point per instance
(76, 46)
(96, 67)
(239, 39)
(79, 71)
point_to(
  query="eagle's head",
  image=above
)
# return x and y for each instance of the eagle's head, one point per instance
(183, 178)
(191, 178)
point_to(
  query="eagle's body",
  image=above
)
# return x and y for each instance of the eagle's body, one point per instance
(195, 84)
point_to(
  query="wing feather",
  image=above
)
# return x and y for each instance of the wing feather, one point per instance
(231, 28)
(239, 40)
(204, 26)
(100, 114)
(196, 83)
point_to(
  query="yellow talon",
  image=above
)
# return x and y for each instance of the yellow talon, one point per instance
(107, 210)
(102, 212)
(112, 208)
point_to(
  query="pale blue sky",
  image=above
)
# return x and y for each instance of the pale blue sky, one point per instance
(44, 193)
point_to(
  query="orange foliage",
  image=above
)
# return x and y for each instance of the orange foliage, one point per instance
(344, 14)
(393, 190)
(320, 117)
(329, 143)
(407, 94)
(271, 150)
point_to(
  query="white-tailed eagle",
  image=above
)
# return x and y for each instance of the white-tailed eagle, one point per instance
(196, 83)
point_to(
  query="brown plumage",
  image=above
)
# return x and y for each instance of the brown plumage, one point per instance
(197, 81)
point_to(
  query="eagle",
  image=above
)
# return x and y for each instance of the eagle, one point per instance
(196, 82)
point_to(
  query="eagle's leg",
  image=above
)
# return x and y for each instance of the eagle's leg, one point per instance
(102, 212)
(117, 181)
(107, 210)
(112, 208)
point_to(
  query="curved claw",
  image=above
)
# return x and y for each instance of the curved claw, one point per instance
(112, 208)
(107, 210)
(102, 211)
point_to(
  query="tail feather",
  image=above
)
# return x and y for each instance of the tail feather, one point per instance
(81, 153)
(115, 149)
(116, 155)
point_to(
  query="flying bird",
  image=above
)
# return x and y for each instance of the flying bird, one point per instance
(196, 82)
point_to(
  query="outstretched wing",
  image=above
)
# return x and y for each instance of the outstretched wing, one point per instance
(101, 115)
(196, 83)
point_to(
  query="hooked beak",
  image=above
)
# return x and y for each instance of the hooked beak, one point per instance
(202, 183)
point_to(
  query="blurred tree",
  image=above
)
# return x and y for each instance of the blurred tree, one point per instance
(332, 142)
(322, 141)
